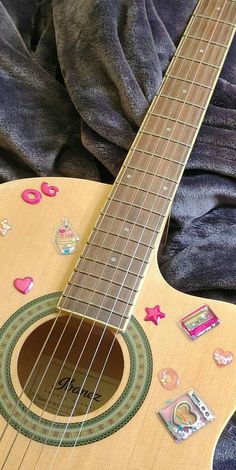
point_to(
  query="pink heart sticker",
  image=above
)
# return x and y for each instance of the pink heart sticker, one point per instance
(222, 358)
(24, 285)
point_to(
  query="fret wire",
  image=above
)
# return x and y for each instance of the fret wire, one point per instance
(129, 218)
(226, 28)
(211, 42)
(123, 300)
(209, 55)
(141, 189)
(146, 152)
(151, 173)
(214, 19)
(182, 101)
(172, 119)
(114, 312)
(118, 324)
(111, 265)
(137, 224)
(118, 201)
(124, 238)
(165, 138)
(106, 279)
(137, 206)
(190, 81)
(127, 221)
(136, 170)
(200, 40)
(115, 251)
(101, 279)
(198, 62)
(201, 85)
(70, 296)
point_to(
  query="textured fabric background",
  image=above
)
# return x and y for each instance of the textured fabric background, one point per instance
(76, 78)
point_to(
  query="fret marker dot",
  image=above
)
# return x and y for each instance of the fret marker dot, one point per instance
(168, 129)
(218, 8)
(184, 91)
(128, 176)
(113, 259)
(201, 50)
(165, 188)
(126, 229)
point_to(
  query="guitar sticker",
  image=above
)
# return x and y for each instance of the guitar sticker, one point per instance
(199, 322)
(65, 238)
(4, 227)
(168, 378)
(222, 358)
(23, 285)
(154, 314)
(33, 196)
(186, 415)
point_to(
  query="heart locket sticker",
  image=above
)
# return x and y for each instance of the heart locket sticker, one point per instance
(184, 415)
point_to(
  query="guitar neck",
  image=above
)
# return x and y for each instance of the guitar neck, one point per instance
(109, 272)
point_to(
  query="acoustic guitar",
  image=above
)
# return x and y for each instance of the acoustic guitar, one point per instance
(95, 346)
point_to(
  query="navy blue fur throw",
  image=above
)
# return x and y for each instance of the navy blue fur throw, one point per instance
(76, 78)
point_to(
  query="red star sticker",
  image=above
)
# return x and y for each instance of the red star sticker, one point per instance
(154, 314)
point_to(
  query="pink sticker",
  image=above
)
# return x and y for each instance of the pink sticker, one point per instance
(168, 378)
(185, 415)
(199, 321)
(31, 196)
(49, 190)
(222, 358)
(154, 314)
(24, 285)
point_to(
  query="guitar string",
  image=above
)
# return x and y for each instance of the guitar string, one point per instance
(88, 409)
(103, 369)
(145, 413)
(81, 386)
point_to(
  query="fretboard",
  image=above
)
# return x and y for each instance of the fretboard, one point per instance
(107, 278)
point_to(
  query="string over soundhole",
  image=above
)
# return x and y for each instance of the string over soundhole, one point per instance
(67, 378)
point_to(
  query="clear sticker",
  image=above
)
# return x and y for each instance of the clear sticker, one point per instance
(4, 227)
(65, 238)
(199, 322)
(185, 415)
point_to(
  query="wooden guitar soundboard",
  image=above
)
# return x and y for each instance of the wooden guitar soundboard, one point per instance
(79, 384)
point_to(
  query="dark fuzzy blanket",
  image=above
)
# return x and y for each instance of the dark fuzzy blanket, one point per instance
(76, 78)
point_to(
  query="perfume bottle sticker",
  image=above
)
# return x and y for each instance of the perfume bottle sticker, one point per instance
(65, 238)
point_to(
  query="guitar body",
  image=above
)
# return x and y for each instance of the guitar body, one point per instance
(140, 441)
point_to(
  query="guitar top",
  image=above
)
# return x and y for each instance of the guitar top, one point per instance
(103, 364)
(141, 439)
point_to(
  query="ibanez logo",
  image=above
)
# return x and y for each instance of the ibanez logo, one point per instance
(67, 384)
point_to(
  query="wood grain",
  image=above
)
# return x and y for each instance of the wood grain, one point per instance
(143, 443)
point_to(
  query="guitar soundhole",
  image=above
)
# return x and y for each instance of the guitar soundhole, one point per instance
(61, 368)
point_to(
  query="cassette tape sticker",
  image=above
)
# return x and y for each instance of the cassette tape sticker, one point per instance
(199, 322)
(185, 415)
